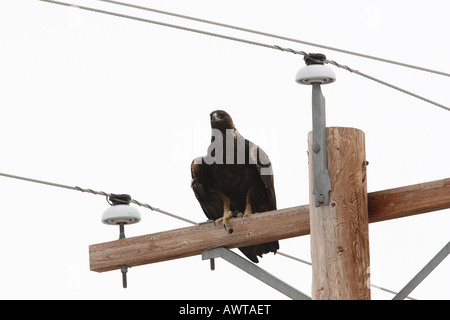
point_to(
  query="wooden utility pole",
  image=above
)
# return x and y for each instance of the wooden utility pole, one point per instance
(339, 231)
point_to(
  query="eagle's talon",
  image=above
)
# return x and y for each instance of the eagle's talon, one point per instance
(237, 214)
(227, 215)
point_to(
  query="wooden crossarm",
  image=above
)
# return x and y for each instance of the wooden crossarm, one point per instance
(258, 228)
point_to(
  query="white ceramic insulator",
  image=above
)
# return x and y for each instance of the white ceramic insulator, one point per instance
(315, 73)
(121, 213)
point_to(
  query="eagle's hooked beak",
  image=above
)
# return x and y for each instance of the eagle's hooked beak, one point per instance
(215, 117)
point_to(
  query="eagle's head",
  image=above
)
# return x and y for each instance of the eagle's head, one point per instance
(221, 120)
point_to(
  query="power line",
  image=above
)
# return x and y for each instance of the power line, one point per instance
(277, 37)
(105, 194)
(390, 85)
(310, 264)
(164, 24)
(294, 258)
(390, 291)
(101, 193)
(256, 43)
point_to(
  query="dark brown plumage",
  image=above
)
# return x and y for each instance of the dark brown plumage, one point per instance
(234, 178)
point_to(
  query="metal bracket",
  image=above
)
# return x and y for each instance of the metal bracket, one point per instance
(322, 180)
(254, 271)
(124, 268)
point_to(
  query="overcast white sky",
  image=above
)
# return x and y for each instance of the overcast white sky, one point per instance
(123, 106)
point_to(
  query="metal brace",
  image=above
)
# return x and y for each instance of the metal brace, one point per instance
(429, 267)
(322, 180)
(255, 271)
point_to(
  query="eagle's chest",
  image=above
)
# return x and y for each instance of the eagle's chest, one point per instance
(233, 179)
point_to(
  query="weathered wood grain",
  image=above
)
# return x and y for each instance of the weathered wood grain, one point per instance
(339, 232)
(185, 242)
(262, 227)
(409, 200)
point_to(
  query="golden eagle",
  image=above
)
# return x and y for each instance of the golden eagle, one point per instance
(234, 179)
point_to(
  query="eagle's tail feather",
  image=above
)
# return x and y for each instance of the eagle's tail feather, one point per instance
(252, 252)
